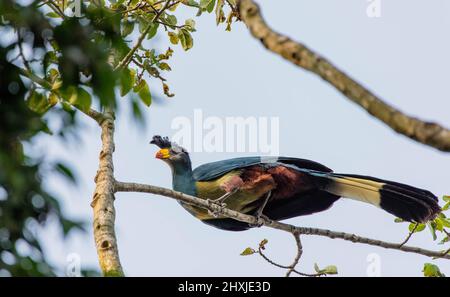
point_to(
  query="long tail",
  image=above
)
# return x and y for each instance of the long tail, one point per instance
(406, 202)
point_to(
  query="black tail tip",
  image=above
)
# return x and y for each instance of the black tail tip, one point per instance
(408, 203)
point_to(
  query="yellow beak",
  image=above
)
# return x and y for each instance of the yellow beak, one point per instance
(163, 154)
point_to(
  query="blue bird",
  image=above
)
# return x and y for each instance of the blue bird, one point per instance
(282, 188)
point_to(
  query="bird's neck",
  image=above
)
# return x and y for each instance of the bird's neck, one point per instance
(182, 178)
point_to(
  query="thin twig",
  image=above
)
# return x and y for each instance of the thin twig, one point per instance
(260, 252)
(21, 52)
(409, 235)
(126, 60)
(56, 8)
(168, 25)
(448, 235)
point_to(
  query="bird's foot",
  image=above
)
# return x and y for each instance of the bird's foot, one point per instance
(260, 220)
(215, 213)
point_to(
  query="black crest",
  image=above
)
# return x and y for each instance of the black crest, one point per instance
(162, 142)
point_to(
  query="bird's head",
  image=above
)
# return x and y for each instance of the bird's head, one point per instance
(170, 152)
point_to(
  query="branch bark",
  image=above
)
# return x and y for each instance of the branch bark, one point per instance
(103, 203)
(428, 133)
(215, 208)
(297, 256)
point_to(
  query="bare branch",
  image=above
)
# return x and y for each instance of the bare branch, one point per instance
(429, 133)
(290, 269)
(134, 187)
(95, 115)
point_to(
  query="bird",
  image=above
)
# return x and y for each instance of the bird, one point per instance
(280, 188)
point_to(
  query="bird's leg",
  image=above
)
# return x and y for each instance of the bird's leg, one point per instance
(259, 213)
(220, 201)
(224, 197)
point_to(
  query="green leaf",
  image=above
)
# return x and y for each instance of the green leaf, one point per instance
(153, 30)
(164, 66)
(53, 14)
(248, 251)
(220, 15)
(127, 81)
(143, 91)
(53, 99)
(171, 20)
(38, 103)
(127, 28)
(444, 240)
(192, 3)
(439, 224)
(431, 270)
(53, 74)
(316, 268)
(173, 37)
(207, 5)
(49, 58)
(419, 228)
(204, 3)
(446, 206)
(65, 171)
(190, 25)
(446, 198)
(81, 99)
(210, 6)
(446, 222)
(143, 23)
(67, 107)
(185, 39)
(331, 269)
(432, 227)
(398, 220)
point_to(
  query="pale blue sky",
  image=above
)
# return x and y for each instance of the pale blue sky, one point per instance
(402, 56)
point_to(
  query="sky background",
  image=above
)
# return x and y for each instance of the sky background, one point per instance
(402, 56)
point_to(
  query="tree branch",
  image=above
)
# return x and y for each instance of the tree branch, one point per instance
(103, 203)
(297, 256)
(429, 133)
(215, 208)
(97, 116)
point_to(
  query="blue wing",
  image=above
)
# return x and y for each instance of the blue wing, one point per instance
(214, 170)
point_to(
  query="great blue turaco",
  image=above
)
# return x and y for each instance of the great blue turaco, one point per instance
(282, 188)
